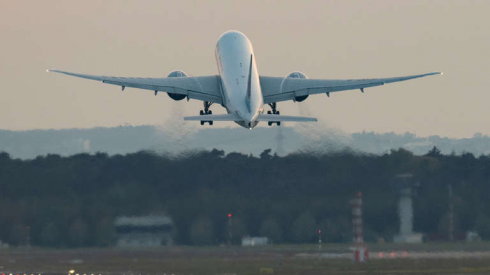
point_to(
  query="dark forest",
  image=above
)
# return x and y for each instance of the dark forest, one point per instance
(72, 201)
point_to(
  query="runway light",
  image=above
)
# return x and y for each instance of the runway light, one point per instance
(71, 271)
(380, 254)
(392, 254)
(229, 215)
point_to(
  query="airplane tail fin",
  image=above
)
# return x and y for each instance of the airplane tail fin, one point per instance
(264, 117)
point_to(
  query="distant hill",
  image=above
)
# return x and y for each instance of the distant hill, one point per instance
(177, 139)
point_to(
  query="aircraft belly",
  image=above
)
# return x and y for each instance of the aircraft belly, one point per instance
(239, 77)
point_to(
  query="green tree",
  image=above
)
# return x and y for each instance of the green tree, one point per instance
(18, 235)
(104, 233)
(304, 228)
(333, 230)
(444, 225)
(50, 235)
(202, 231)
(78, 233)
(483, 226)
(239, 230)
(272, 230)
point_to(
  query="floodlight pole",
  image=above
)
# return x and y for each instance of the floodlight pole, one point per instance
(319, 240)
(230, 231)
(28, 236)
(451, 214)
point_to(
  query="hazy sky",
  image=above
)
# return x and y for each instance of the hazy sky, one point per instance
(323, 39)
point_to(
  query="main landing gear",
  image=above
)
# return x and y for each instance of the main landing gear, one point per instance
(206, 111)
(273, 112)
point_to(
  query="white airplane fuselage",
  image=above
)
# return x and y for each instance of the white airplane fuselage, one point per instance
(240, 83)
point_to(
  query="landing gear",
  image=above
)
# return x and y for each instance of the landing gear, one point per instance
(273, 112)
(206, 111)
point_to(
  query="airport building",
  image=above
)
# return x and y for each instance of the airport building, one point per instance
(253, 241)
(144, 231)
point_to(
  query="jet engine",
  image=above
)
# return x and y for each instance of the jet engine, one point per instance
(177, 97)
(302, 76)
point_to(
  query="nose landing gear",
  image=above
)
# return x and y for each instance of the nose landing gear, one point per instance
(273, 112)
(206, 111)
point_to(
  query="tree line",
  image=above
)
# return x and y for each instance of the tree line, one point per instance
(72, 201)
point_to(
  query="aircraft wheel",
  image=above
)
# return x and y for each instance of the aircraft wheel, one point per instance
(210, 123)
(269, 123)
(278, 123)
(269, 112)
(202, 122)
(201, 112)
(278, 113)
(210, 113)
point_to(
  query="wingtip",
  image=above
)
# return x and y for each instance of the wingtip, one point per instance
(48, 70)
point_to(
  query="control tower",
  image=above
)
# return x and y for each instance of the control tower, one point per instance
(405, 184)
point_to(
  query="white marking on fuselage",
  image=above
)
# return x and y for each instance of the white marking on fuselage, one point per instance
(233, 55)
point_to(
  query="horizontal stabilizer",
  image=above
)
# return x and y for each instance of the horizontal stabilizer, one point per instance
(263, 117)
(226, 117)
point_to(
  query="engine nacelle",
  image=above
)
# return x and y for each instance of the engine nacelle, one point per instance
(177, 97)
(302, 76)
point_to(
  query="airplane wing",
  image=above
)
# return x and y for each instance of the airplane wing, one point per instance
(205, 88)
(275, 89)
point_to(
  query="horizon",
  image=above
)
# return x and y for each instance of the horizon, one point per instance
(174, 140)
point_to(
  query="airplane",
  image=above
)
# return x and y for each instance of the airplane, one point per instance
(239, 88)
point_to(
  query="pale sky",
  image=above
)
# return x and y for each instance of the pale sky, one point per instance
(323, 39)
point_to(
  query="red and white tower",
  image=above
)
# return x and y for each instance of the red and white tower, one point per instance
(360, 250)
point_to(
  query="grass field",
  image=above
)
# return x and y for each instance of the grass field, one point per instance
(276, 259)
